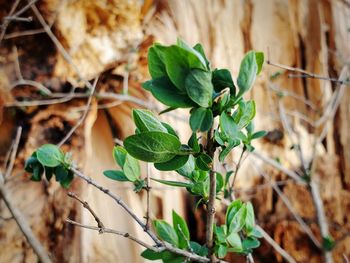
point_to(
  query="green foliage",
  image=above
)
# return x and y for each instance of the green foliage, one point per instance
(49, 159)
(181, 77)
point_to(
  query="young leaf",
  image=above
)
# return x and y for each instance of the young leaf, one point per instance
(247, 113)
(116, 175)
(204, 162)
(238, 220)
(172, 183)
(178, 63)
(37, 173)
(119, 155)
(247, 73)
(232, 210)
(250, 218)
(259, 56)
(193, 143)
(201, 119)
(198, 249)
(166, 232)
(235, 241)
(156, 65)
(181, 230)
(199, 87)
(198, 47)
(156, 147)
(175, 163)
(146, 121)
(219, 182)
(226, 150)
(188, 168)
(250, 243)
(255, 233)
(50, 155)
(165, 92)
(220, 233)
(131, 168)
(228, 126)
(222, 79)
(63, 176)
(199, 55)
(258, 135)
(222, 250)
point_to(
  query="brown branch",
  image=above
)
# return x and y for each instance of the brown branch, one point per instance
(209, 229)
(81, 120)
(148, 192)
(13, 153)
(7, 22)
(87, 206)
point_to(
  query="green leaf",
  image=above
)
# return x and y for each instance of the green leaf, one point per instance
(219, 182)
(199, 87)
(178, 63)
(37, 173)
(258, 134)
(30, 163)
(165, 92)
(188, 168)
(156, 65)
(49, 171)
(119, 155)
(220, 232)
(193, 143)
(328, 243)
(198, 47)
(198, 249)
(131, 168)
(204, 162)
(222, 250)
(255, 233)
(170, 129)
(250, 218)
(166, 232)
(246, 114)
(199, 55)
(250, 243)
(228, 126)
(151, 255)
(116, 175)
(259, 56)
(146, 121)
(222, 79)
(50, 155)
(172, 183)
(63, 176)
(181, 230)
(235, 241)
(139, 185)
(201, 119)
(226, 150)
(238, 220)
(247, 73)
(153, 146)
(176, 163)
(232, 210)
(218, 138)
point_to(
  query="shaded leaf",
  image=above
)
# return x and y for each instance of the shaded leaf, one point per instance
(115, 175)
(199, 87)
(201, 119)
(175, 163)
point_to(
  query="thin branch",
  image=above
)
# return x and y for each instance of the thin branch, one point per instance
(290, 207)
(148, 192)
(87, 206)
(119, 202)
(275, 245)
(81, 120)
(19, 19)
(237, 168)
(209, 230)
(13, 153)
(102, 230)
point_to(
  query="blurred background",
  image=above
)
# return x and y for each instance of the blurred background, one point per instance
(49, 49)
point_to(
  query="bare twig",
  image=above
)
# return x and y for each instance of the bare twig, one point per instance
(237, 168)
(19, 19)
(87, 206)
(7, 22)
(102, 230)
(81, 120)
(148, 190)
(276, 246)
(13, 153)
(119, 202)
